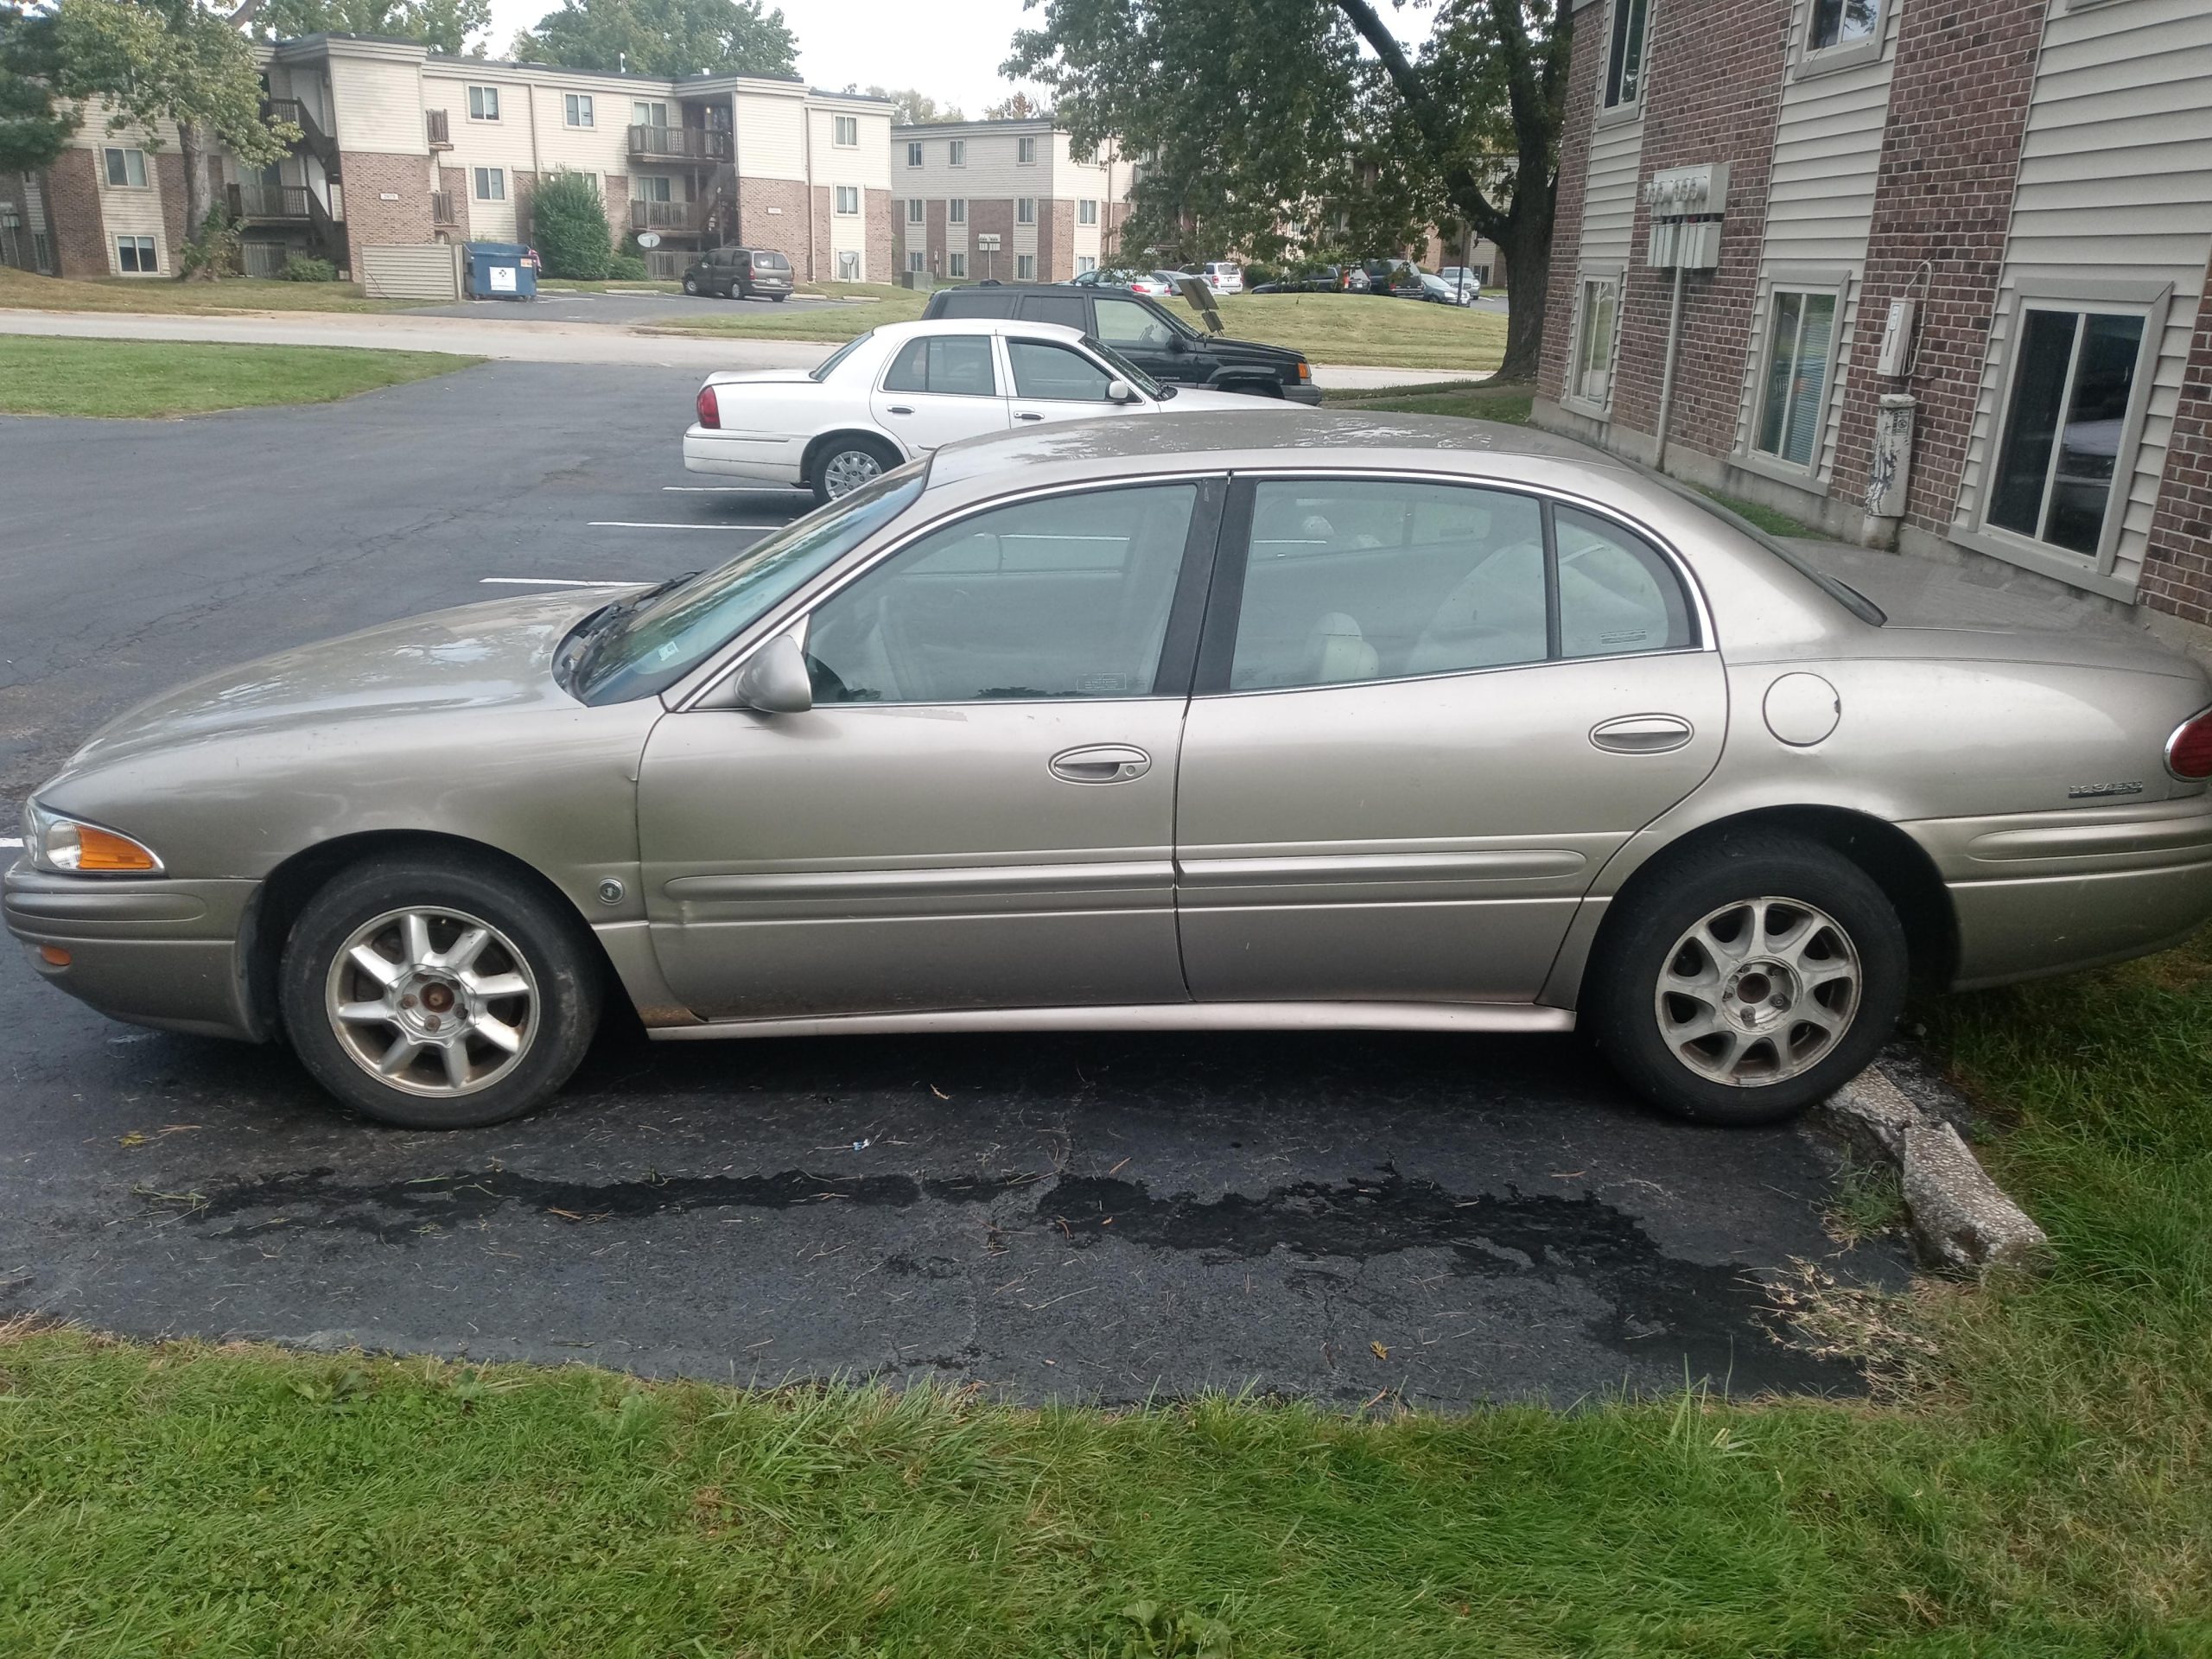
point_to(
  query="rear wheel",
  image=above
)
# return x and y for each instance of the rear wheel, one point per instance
(846, 463)
(437, 993)
(1750, 981)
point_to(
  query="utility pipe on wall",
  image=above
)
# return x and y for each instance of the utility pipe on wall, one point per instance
(1666, 378)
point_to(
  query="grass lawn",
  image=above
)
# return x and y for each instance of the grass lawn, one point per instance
(134, 377)
(24, 290)
(2034, 1477)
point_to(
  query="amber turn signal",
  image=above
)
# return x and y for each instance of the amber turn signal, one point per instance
(54, 956)
(105, 851)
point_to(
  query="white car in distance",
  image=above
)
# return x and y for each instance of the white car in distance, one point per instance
(1224, 277)
(898, 392)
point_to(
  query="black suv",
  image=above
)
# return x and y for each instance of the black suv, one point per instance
(740, 274)
(1144, 331)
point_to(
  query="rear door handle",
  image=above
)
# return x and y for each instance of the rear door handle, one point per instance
(1023, 415)
(1100, 763)
(1642, 733)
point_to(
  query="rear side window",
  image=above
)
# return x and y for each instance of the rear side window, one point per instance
(954, 364)
(1067, 310)
(770, 261)
(1616, 593)
(973, 303)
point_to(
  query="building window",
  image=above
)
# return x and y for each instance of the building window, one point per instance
(1838, 22)
(849, 199)
(1024, 151)
(576, 108)
(483, 102)
(642, 114)
(1625, 65)
(956, 211)
(126, 167)
(913, 210)
(491, 184)
(1025, 267)
(1593, 340)
(1025, 210)
(134, 256)
(1086, 212)
(42, 251)
(2073, 384)
(959, 149)
(649, 186)
(849, 266)
(846, 133)
(1794, 394)
(1085, 262)
(914, 260)
(914, 155)
(956, 264)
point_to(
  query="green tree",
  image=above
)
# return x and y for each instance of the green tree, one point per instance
(662, 37)
(170, 59)
(568, 224)
(911, 109)
(32, 128)
(442, 25)
(1018, 107)
(1340, 137)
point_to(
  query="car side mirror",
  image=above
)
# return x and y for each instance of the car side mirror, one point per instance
(1120, 391)
(775, 680)
(1178, 345)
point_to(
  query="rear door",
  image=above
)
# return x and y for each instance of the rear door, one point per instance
(1066, 310)
(939, 388)
(1426, 713)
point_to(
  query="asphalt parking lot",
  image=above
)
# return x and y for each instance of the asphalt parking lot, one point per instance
(1095, 1217)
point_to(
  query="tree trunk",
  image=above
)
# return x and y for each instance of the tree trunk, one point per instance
(1528, 254)
(198, 197)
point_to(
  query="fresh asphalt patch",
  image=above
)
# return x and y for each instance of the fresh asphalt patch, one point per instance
(1445, 1220)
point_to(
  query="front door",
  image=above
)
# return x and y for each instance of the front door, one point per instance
(1053, 382)
(1152, 342)
(1426, 715)
(978, 811)
(940, 388)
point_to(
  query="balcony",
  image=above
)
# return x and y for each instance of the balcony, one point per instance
(680, 144)
(281, 109)
(682, 217)
(269, 201)
(441, 209)
(440, 129)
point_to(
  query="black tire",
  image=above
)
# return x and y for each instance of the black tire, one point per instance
(849, 443)
(554, 1022)
(691, 285)
(1759, 1035)
(780, 298)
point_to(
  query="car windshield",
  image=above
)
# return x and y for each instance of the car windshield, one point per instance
(1128, 370)
(1844, 594)
(828, 366)
(645, 650)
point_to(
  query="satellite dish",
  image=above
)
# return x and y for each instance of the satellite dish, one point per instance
(649, 239)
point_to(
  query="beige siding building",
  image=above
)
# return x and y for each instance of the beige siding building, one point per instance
(1054, 216)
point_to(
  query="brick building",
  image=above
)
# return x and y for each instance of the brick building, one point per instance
(403, 147)
(1054, 216)
(2033, 177)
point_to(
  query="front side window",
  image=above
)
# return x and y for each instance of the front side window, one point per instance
(1025, 267)
(914, 155)
(135, 255)
(1793, 391)
(953, 366)
(1593, 342)
(1024, 151)
(914, 211)
(848, 132)
(1066, 597)
(1025, 210)
(1839, 23)
(1128, 325)
(126, 169)
(1086, 211)
(576, 108)
(1354, 581)
(1055, 374)
(956, 211)
(491, 184)
(849, 199)
(1625, 61)
(2073, 382)
(483, 102)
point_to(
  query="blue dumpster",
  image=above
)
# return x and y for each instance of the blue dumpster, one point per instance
(502, 270)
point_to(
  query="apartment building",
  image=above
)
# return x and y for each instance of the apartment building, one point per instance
(1942, 273)
(1018, 180)
(403, 148)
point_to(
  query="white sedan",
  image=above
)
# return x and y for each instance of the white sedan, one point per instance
(898, 392)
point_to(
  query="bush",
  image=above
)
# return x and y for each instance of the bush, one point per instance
(626, 267)
(569, 224)
(302, 269)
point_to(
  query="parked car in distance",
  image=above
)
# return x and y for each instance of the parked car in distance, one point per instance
(1440, 292)
(1148, 331)
(899, 392)
(1464, 280)
(1261, 719)
(740, 274)
(1307, 279)
(1136, 282)
(1223, 278)
(1394, 278)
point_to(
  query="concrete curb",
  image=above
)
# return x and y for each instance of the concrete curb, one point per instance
(1961, 1220)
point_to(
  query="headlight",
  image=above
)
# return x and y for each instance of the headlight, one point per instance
(72, 847)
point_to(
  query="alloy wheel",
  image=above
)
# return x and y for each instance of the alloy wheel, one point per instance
(848, 469)
(1758, 991)
(432, 1001)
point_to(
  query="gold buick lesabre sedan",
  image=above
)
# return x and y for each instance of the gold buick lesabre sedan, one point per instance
(1277, 720)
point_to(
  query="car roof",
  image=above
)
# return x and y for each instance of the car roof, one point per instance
(898, 331)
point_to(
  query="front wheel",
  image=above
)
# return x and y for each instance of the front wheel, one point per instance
(437, 993)
(845, 464)
(691, 285)
(1756, 977)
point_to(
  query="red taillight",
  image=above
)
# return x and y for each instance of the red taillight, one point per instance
(710, 413)
(2188, 751)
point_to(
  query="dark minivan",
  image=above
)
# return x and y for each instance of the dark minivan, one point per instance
(740, 274)
(1143, 330)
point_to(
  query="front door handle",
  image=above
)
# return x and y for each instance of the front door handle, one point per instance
(1025, 415)
(1101, 763)
(1642, 733)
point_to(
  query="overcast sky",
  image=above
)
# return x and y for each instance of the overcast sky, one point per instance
(950, 51)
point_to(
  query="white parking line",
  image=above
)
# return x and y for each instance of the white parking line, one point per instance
(720, 489)
(639, 523)
(559, 581)
(11, 841)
